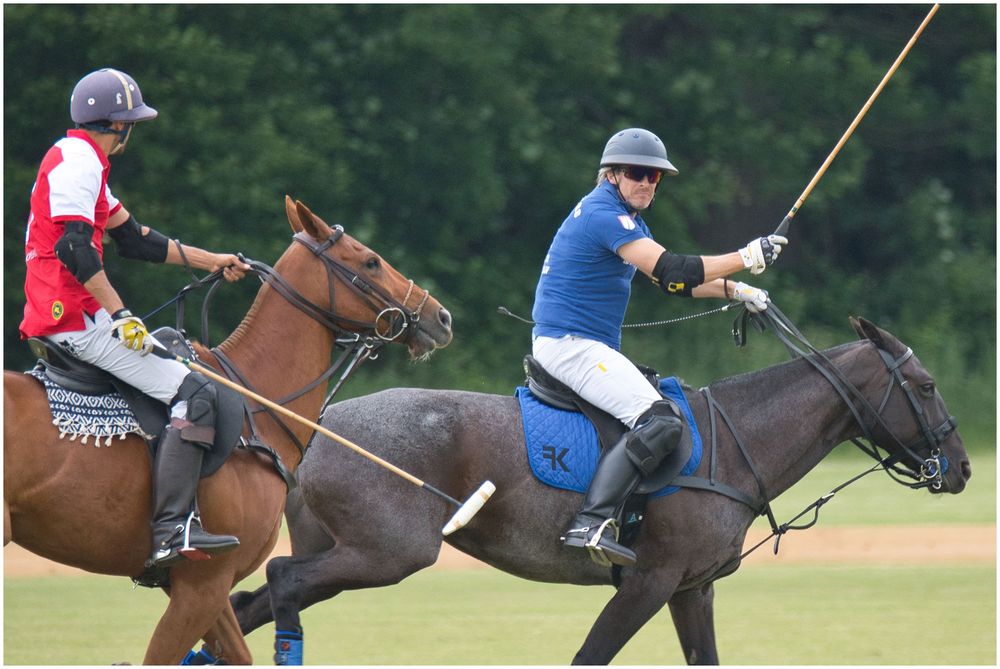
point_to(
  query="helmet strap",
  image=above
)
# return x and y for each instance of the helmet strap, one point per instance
(105, 129)
(618, 190)
(123, 136)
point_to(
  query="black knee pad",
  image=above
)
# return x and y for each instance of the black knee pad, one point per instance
(654, 437)
(202, 408)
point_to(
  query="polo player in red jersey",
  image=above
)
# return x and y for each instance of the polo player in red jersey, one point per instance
(71, 302)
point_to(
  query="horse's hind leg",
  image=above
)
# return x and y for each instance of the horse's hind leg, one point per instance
(694, 619)
(640, 597)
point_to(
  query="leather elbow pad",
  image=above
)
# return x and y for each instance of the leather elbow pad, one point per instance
(76, 251)
(131, 243)
(678, 274)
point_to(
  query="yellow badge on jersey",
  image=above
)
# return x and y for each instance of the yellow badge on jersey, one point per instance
(57, 310)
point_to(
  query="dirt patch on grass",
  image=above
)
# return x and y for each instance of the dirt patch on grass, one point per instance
(910, 544)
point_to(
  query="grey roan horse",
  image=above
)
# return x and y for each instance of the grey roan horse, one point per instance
(356, 526)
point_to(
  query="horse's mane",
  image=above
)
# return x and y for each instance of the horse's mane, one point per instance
(787, 368)
(237, 335)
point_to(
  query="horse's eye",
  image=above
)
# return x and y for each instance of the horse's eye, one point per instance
(373, 263)
(927, 389)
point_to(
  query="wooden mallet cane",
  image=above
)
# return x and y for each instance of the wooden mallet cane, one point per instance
(466, 510)
(782, 229)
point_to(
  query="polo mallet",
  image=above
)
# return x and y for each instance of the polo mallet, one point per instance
(465, 511)
(783, 226)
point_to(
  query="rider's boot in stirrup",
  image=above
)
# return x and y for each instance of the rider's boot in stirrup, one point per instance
(595, 527)
(177, 531)
(636, 455)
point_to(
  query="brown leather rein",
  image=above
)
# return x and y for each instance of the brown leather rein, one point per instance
(357, 340)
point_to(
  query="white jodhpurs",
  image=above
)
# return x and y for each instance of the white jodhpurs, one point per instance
(597, 373)
(157, 377)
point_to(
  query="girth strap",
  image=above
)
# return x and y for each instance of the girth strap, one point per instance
(761, 505)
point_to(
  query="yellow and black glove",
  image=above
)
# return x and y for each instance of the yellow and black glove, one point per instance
(131, 331)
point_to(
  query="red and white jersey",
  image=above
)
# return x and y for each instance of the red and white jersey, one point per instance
(72, 185)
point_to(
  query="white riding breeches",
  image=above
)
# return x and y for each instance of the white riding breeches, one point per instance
(157, 377)
(597, 373)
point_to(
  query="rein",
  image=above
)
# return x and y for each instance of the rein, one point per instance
(930, 472)
(393, 319)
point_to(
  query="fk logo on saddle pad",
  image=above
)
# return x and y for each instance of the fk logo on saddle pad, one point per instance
(563, 447)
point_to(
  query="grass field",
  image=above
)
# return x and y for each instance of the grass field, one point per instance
(787, 614)
(933, 615)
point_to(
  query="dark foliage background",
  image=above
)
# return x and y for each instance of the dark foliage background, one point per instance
(453, 139)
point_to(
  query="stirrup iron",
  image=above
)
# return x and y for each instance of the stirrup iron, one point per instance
(597, 553)
(187, 550)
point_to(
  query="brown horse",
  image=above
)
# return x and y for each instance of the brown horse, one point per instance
(90, 507)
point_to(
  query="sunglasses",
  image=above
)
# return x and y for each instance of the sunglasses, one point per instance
(638, 173)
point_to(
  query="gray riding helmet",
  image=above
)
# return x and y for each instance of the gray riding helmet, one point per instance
(636, 146)
(108, 95)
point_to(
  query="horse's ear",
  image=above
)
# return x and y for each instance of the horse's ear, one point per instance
(293, 216)
(312, 224)
(868, 330)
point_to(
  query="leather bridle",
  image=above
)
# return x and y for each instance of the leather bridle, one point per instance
(924, 471)
(358, 340)
(393, 317)
(905, 462)
(933, 467)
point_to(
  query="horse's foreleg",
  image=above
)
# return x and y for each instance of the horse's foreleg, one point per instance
(7, 531)
(298, 582)
(639, 598)
(302, 580)
(195, 606)
(694, 619)
(225, 641)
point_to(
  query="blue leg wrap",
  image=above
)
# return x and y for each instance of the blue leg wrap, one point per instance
(200, 658)
(288, 647)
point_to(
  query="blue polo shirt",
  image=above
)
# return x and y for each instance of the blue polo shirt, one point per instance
(585, 286)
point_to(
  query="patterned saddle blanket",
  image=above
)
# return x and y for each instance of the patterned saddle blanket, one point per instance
(563, 446)
(102, 407)
(99, 416)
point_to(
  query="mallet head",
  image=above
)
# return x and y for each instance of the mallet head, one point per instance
(470, 508)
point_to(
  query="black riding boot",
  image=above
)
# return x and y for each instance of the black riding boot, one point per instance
(595, 527)
(177, 531)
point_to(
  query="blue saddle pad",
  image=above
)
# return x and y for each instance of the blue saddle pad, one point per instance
(563, 448)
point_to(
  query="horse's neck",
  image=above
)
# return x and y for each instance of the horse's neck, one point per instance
(789, 417)
(279, 350)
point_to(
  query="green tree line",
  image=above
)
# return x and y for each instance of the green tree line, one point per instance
(453, 139)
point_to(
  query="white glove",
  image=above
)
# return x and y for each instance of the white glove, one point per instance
(761, 252)
(755, 298)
